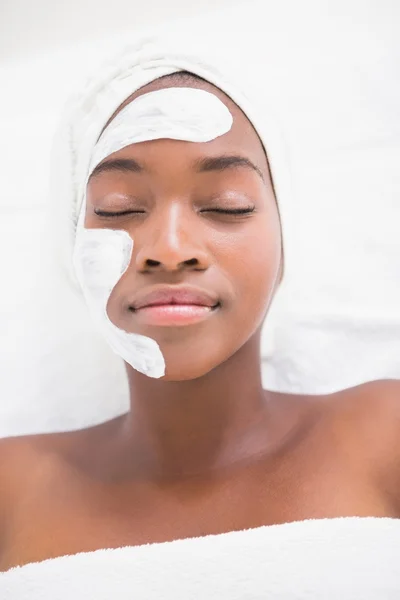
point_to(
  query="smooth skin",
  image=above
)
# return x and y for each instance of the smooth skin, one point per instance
(203, 450)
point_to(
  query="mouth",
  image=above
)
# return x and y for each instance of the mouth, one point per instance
(174, 306)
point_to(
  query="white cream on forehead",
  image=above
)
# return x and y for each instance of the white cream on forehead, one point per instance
(101, 256)
(173, 113)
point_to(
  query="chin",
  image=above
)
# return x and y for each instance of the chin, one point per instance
(188, 370)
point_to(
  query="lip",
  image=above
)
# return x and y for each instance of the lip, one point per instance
(173, 294)
(174, 305)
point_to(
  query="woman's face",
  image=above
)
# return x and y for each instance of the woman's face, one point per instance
(175, 202)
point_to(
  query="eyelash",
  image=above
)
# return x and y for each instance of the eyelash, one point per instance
(233, 211)
(102, 213)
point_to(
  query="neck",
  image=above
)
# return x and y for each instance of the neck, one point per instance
(190, 427)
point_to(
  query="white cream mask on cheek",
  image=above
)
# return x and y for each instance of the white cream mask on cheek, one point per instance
(101, 256)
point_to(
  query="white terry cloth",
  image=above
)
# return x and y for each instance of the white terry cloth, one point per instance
(329, 559)
(328, 114)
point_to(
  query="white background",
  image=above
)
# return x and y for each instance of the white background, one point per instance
(51, 361)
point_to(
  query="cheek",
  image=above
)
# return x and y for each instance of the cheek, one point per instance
(254, 260)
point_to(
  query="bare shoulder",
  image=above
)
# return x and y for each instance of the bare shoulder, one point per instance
(375, 402)
(31, 467)
(26, 460)
(371, 409)
(382, 412)
(19, 456)
(14, 453)
(368, 417)
(16, 459)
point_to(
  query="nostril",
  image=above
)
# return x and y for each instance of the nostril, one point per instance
(191, 262)
(152, 263)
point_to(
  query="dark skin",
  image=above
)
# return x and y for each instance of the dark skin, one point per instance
(203, 449)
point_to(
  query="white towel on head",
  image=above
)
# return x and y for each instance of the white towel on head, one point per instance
(325, 95)
(327, 559)
(174, 49)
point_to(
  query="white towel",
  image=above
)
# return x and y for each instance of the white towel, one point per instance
(328, 559)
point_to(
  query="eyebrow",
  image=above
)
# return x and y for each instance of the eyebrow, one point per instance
(127, 165)
(221, 163)
(203, 165)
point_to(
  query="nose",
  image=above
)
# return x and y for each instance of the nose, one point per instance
(170, 241)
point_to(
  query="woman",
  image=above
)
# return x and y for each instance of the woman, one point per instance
(204, 448)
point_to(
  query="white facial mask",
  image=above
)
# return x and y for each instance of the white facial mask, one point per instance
(101, 256)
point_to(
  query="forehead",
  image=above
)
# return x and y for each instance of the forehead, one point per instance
(242, 135)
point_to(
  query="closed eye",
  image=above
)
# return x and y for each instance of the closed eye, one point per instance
(231, 211)
(102, 213)
(226, 211)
